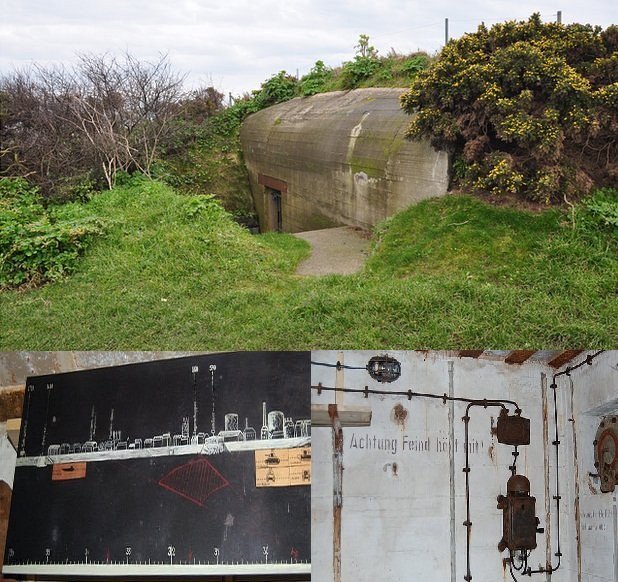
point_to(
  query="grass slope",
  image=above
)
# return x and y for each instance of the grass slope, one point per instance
(175, 272)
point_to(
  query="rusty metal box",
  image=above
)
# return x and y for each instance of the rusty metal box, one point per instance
(520, 524)
(513, 430)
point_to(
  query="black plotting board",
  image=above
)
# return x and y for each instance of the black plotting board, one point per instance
(151, 469)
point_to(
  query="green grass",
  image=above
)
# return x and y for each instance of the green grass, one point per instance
(175, 272)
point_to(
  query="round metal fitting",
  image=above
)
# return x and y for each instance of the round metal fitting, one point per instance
(518, 485)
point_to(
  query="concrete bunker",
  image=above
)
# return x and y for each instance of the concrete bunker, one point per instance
(337, 159)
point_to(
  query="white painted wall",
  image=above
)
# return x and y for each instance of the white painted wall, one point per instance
(7, 457)
(588, 395)
(409, 526)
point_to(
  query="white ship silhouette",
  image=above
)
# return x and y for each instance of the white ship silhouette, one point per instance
(277, 432)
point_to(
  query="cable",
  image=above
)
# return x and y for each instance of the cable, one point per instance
(468, 523)
(549, 568)
(409, 394)
(339, 366)
(567, 371)
(523, 567)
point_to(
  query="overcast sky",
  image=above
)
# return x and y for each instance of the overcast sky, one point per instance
(236, 44)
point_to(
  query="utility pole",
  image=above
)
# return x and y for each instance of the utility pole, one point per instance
(446, 31)
(559, 17)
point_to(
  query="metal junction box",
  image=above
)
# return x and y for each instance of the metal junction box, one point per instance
(513, 430)
(519, 522)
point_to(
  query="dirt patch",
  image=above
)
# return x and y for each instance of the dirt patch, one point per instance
(509, 200)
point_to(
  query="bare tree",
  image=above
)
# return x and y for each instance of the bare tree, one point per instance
(123, 108)
(35, 142)
(155, 92)
(105, 113)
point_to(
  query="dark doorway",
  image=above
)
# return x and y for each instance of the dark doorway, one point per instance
(273, 202)
(275, 218)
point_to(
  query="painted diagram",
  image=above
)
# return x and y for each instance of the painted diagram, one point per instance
(154, 465)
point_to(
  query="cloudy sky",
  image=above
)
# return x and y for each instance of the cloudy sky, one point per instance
(236, 44)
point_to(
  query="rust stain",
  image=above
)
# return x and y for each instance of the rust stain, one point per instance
(591, 486)
(545, 410)
(579, 545)
(490, 452)
(519, 356)
(337, 488)
(563, 357)
(337, 544)
(11, 403)
(337, 431)
(395, 467)
(399, 415)
(577, 507)
(5, 505)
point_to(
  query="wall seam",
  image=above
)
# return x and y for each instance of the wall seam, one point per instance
(451, 426)
(546, 461)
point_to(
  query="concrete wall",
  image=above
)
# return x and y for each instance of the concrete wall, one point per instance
(587, 396)
(407, 524)
(338, 159)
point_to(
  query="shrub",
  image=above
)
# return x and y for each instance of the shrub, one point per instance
(39, 244)
(316, 81)
(364, 65)
(601, 209)
(530, 108)
(361, 68)
(280, 87)
(415, 64)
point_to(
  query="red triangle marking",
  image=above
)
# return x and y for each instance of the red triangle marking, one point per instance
(195, 481)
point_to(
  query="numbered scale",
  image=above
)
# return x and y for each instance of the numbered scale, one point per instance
(147, 469)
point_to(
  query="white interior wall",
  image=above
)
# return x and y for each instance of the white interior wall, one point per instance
(588, 395)
(409, 526)
(7, 457)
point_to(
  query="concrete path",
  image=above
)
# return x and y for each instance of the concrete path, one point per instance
(334, 251)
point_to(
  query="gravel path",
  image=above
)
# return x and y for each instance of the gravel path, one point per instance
(334, 251)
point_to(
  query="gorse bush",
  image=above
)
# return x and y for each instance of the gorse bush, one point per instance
(524, 107)
(39, 244)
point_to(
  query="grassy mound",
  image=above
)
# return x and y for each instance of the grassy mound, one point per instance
(176, 272)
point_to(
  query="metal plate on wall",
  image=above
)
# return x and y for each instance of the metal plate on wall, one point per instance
(606, 453)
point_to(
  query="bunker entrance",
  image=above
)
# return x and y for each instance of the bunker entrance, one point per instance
(272, 216)
(275, 214)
